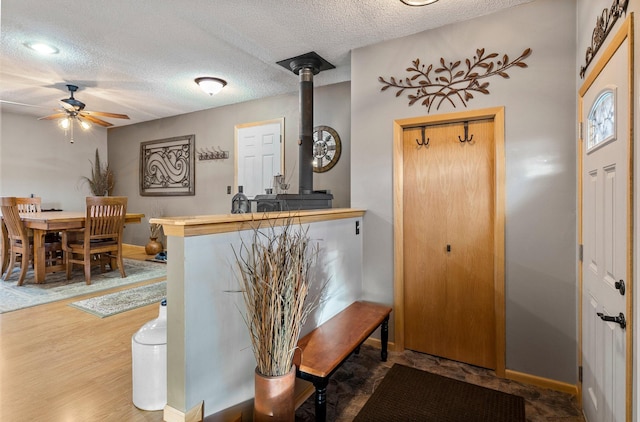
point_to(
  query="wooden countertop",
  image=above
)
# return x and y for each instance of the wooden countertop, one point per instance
(223, 223)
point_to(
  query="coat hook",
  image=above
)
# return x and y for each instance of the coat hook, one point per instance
(423, 143)
(466, 134)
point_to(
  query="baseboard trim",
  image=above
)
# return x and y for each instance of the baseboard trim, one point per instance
(563, 387)
(375, 342)
(174, 415)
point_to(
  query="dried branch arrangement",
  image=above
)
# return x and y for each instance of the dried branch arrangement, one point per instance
(448, 81)
(101, 181)
(275, 275)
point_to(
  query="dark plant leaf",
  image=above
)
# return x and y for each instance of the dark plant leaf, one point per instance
(414, 77)
(504, 75)
(505, 59)
(491, 56)
(490, 68)
(520, 64)
(443, 79)
(458, 74)
(484, 65)
(480, 52)
(384, 88)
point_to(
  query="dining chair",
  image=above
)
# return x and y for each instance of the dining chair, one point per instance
(33, 204)
(100, 241)
(18, 243)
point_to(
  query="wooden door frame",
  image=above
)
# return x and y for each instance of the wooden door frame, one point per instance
(625, 32)
(497, 114)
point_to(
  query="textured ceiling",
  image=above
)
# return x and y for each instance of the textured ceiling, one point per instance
(140, 57)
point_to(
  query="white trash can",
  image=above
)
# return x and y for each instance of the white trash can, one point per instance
(149, 363)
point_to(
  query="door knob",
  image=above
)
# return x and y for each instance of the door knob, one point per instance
(617, 319)
(620, 286)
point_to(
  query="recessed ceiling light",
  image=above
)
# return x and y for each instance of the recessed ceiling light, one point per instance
(42, 48)
(211, 85)
(418, 2)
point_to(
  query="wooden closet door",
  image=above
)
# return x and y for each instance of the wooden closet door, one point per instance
(448, 206)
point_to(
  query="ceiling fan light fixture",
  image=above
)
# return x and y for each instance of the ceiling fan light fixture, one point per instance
(211, 85)
(65, 123)
(84, 124)
(42, 48)
(418, 2)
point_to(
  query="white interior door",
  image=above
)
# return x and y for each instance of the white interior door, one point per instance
(606, 238)
(258, 155)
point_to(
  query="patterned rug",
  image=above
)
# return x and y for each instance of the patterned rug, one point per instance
(124, 300)
(57, 287)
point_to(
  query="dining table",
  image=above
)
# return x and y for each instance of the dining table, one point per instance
(52, 221)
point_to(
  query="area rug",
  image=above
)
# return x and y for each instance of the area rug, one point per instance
(409, 394)
(123, 300)
(57, 287)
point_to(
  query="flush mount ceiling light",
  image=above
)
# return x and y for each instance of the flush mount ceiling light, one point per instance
(42, 48)
(211, 85)
(418, 2)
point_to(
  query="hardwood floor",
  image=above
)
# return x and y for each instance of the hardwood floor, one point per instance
(61, 364)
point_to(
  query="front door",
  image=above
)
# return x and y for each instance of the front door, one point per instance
(448, 241)
(605, 219)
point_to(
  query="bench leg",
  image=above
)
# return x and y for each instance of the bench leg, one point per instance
(384, 339)
(321, 399)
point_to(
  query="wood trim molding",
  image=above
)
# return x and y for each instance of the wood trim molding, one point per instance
(225, 223)
(174, 415)
(498, 116)
(541, 382)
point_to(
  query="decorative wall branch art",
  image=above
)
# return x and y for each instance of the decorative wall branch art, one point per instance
(449, 82)
(167, 167)
(604, 23)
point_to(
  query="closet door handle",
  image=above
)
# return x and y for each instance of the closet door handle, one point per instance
(448, 248)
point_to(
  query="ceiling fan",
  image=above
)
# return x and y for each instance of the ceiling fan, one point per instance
(74, 109)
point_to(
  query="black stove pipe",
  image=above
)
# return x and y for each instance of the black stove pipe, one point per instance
(305, 154)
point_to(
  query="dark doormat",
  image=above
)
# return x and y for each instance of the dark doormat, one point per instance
(409, 394)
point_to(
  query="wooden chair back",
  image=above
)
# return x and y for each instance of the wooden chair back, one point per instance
(29, 204)
(17, 243)
(105, 218)
(11, 217)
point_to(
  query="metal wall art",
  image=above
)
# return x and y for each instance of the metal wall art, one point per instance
(449, 82)
(167, 167)
(604, 23)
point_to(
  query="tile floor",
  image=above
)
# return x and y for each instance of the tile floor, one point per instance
(353, 383)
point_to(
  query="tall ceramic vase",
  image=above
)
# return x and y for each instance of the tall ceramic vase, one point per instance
(275, 397)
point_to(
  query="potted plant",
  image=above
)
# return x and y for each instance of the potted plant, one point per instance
(101, 181)
(275, 276)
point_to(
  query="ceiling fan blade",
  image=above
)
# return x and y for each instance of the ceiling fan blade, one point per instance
(95, 120)
(53, 116)
(66, 106)
(20, 104)
(105, 114)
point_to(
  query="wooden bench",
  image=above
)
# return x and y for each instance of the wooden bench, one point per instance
(324, 349)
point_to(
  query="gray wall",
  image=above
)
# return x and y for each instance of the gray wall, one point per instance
(37, 158)
(215, 128)
(540, 110)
